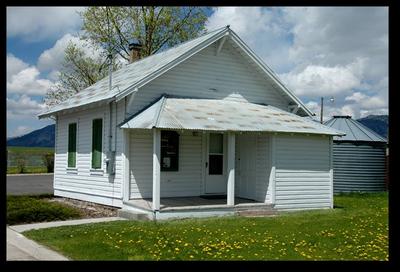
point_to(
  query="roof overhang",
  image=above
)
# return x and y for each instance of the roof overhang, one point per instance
(221, 115)
(72, 108)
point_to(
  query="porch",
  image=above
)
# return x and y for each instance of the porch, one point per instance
(186, 207)
(189, 203)
(230, 153)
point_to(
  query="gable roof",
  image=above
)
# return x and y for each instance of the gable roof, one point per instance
(135, 75)
(355, 131)
(221, 115)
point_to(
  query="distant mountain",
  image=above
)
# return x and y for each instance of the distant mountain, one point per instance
(43, 137)
(377, 123)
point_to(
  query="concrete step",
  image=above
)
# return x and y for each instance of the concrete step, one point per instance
(131, 215)
(255, 213)
(264, 207)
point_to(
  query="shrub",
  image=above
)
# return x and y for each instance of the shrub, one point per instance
(20, 160)
(48, 160)
(30, 209)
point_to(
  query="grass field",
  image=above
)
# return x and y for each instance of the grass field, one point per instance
(30, 150)
(32, 155)
(37, 208)
(357, 229)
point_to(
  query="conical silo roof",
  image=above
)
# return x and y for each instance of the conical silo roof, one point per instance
(355, 131)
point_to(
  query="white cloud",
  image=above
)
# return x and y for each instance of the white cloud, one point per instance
(27, 81)
(14, 65)
(263, 29)
(365, 101)
(51, 59)
(21, 130)
(38, 23)
(339, 35)
(317, 80)
(23, 108)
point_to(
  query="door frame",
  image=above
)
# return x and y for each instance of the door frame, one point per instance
(242, 141)
(205, 148)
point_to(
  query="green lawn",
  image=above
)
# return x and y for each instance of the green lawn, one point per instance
(37, 208)
(357, 229)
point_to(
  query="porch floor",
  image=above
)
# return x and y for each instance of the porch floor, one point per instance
(195, 202)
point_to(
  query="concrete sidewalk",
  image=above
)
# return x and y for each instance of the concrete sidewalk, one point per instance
(21, 248)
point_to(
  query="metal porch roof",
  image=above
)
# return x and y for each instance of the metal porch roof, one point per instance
(221, 115)
(355, 131)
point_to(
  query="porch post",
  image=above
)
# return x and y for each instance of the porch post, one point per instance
(231, 170)
(156, 169)
(125, 157)
(331, 169)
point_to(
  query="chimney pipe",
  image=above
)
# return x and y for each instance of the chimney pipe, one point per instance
(135, 49)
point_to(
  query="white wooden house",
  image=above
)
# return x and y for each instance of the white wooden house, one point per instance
(205, 118)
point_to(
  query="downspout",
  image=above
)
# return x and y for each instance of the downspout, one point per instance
(109, 89)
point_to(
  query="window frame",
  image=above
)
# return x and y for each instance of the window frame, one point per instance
(76, 146)
(92, 168)
(175, 168)
(222, 154)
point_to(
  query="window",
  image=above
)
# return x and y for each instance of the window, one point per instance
(97, 133)
(72, 145)
(169, 150)
(216, 154)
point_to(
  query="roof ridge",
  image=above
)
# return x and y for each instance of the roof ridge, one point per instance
(174, 47)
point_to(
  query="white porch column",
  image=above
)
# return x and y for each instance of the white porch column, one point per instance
(231, 169)
(156, 169)
(125, 157)
(331, 169)
(272, 176)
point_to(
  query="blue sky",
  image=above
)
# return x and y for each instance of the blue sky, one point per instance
(340, 52)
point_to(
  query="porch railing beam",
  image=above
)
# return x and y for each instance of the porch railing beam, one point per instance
(231, 170)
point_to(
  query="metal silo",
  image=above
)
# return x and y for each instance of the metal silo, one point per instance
(359, 158)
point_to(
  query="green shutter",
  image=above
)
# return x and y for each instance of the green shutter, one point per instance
(97, 143)
(72, 145)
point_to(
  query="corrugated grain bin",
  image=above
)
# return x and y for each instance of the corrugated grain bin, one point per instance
(359, 158)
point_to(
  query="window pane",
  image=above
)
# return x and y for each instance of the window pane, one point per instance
(72, 145)
(97, 131)
(169, 151)
(216, 143)
(216, 164)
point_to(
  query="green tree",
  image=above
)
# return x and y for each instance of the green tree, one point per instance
(78, 71)
(112, 29)
(20, 160)
(48, 160)
(154, 27)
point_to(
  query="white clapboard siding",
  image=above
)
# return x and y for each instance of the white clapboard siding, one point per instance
(260, 151)
(226, 76)
(187, 181)
(263, 168)
(302, 172)
(82, 182)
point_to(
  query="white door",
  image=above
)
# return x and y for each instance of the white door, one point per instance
(215, 181)
(246, 166)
